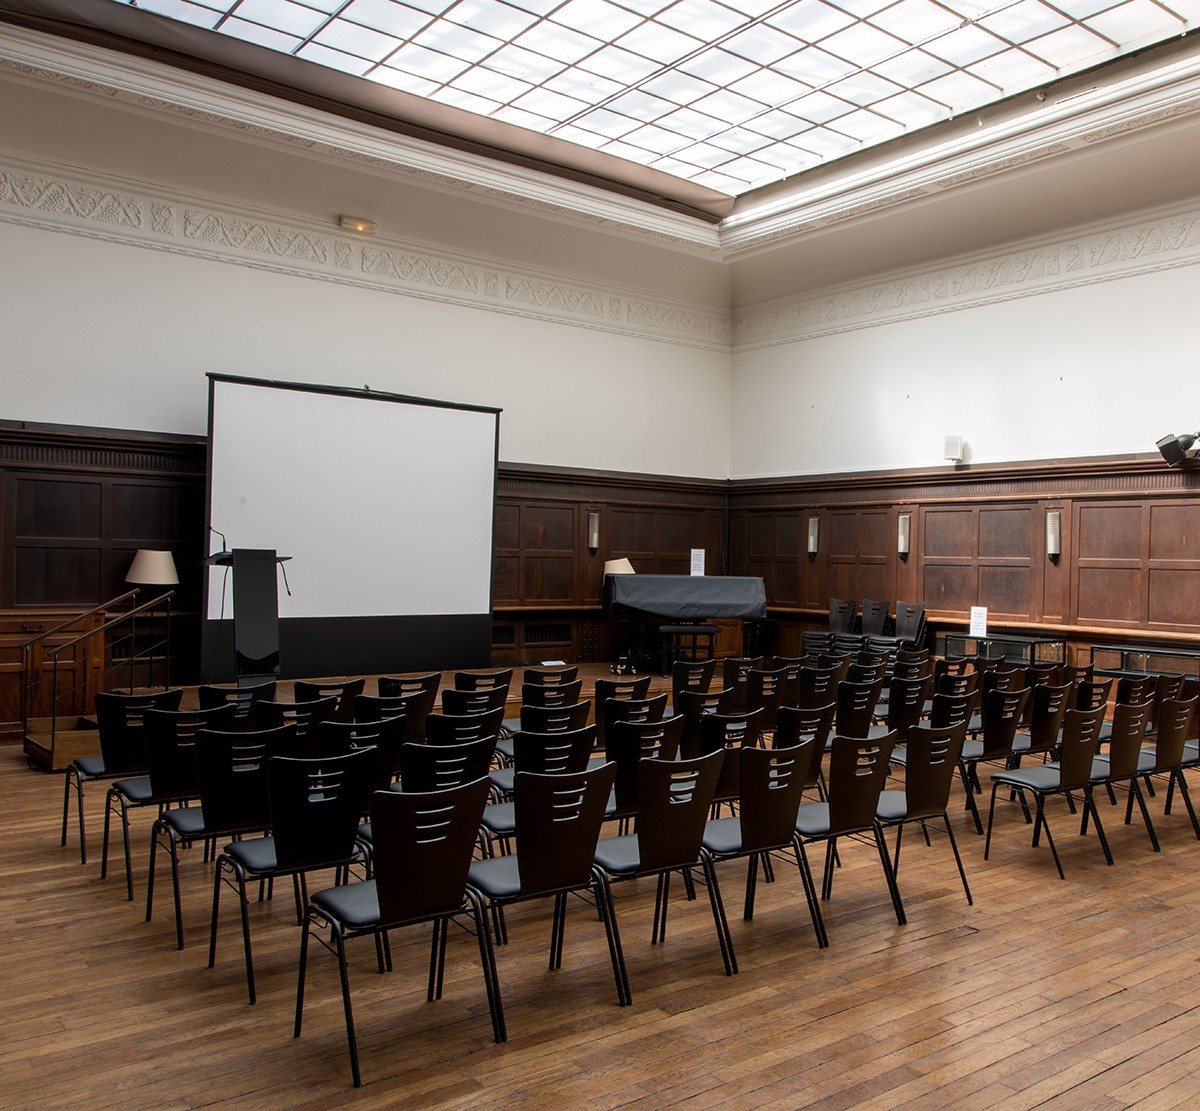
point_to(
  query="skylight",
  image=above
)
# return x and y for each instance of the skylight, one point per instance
(731, 95)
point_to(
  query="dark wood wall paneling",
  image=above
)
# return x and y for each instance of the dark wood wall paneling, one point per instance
(1130, 546)
(75, 504)
(548, 587)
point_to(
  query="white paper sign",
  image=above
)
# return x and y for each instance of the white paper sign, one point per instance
(979, 621)
(697, 561)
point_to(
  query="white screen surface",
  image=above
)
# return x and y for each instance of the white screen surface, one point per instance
(385, 505)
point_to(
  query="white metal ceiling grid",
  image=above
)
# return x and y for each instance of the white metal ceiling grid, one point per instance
(731, 95)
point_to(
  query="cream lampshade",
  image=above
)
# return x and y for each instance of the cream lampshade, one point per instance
(152, 568)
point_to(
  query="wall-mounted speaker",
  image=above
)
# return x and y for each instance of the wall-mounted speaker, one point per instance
(953, 450)
(1053, 534)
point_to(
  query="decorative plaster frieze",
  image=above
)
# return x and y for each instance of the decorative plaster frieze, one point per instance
(254, 237)
(66, 198)
(423, 270)
(83, 202)
(147, 85)
(40, 73)
(221, 119)
(574, 300)
(1165, 243)
(1003, 165)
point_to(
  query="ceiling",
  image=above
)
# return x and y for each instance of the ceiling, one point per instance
(1116, 138)
(728, 94)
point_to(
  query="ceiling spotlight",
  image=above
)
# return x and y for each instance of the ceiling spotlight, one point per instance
(358, 223)
(1175, 449)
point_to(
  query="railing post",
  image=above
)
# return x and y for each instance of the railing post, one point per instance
(167, 648)
(54, 706)
(86, 669)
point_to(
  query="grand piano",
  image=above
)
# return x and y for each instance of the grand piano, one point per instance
(681, 598)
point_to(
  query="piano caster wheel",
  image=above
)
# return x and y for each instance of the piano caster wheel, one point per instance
(623, 667)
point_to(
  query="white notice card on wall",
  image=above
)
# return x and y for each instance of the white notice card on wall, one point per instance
(979, 621)
(697, 561)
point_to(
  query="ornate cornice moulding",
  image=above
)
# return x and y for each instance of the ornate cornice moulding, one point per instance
(1165, 242)
(85, 202)
(1087, 109)
(203, 101)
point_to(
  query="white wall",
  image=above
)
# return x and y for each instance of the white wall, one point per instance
(1095, 369)
(111, 335)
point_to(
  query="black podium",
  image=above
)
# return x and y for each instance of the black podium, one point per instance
(255, 610)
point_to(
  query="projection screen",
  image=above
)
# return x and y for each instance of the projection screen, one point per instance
(384, 503)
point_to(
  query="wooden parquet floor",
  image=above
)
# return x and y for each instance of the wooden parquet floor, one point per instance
(1075, 994)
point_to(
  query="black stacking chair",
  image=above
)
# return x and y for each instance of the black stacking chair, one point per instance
(305, 716)
(629, 743)
(482, 701)
(243, 698)
(122, 749)
(483, 680)
(456, 729)
(315, 809)
(1070, 773)
(424, 844)
(345, 692)
(543, 753)
(857, 771)
(605, 689)
(232, 770)
(558, 819)
(441, 767)
(931, 761)
(771, 783)
(334, 738)
(547, 676)
(674, 797)
(171, 777)
(421, 692)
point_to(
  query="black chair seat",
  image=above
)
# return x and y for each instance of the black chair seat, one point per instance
(186, 821)
(500, 819)
(91, 767)
(1147, 760)
(812, 819)
(255, 855)
(723, 836)
(137, 789)
(356, 905)
(1040, 777)
(972, 749)
(892, 806)
(502, 778)
(619, 856)
(497, 877)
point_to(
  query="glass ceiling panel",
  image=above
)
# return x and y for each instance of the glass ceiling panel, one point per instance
(732, 94)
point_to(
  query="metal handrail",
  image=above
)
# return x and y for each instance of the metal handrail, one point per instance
(115, 621)
(128, 616)
(30, 677)
(79, 617)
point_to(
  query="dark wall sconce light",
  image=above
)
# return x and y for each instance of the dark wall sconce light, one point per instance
(904, 535)
(593, 531)
(814, 536)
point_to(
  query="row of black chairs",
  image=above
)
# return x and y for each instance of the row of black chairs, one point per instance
(857, 802)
